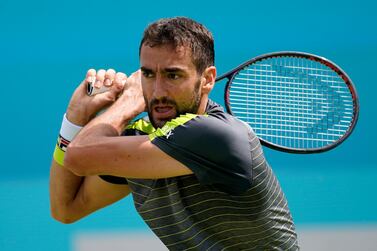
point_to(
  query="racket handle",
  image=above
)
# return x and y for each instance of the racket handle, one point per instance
(91, 90)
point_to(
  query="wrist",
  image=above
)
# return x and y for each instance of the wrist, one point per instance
(68, 132)
(130, 106)
(78, 118)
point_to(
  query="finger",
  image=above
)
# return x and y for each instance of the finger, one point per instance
(90, 75)
(109, 77)
(100, 77)
(120, 80)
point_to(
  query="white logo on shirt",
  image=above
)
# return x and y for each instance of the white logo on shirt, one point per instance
(169, 133)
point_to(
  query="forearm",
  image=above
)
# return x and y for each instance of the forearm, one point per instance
(64, 187)
(109, 124)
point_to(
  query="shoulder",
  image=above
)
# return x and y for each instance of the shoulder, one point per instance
(215, 146)
(140, 126)
(215, 122)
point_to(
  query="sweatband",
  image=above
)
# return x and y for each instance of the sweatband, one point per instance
(68, 131)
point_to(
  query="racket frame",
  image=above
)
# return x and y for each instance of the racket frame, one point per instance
(230, 75)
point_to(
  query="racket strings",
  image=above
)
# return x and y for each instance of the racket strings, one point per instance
(292, 102)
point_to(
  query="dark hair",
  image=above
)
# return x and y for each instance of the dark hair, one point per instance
(182, 31)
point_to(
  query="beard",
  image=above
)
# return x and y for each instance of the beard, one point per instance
(190, 106)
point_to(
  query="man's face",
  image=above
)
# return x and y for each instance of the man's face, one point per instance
(171, 84)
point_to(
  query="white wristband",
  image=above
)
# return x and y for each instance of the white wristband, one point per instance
(69, 130)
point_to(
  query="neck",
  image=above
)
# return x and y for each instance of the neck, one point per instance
(203, 105)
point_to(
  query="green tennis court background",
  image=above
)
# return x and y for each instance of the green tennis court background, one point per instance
(47, 46)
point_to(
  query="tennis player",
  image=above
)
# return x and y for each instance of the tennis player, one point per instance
(198, 175)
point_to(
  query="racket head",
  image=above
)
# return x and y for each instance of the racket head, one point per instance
(295, 102)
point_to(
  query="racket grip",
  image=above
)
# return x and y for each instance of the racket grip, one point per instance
(91, 90)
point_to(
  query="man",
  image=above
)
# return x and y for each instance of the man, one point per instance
(198, 176)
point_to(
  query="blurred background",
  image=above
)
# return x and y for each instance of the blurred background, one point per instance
(47, 46)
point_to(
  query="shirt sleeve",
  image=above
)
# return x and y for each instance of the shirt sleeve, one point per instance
(216, 149)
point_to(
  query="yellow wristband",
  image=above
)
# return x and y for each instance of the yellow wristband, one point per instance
(59, 155)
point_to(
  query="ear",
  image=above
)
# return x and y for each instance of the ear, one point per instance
(208, 79)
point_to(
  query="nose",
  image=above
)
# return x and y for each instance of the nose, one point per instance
(159, 90)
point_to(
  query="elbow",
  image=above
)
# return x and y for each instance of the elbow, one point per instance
(63, 217)
(64, 220)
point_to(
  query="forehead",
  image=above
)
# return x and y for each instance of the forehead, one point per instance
(165, 56)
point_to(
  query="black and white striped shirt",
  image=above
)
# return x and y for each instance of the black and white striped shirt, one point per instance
(233, 201)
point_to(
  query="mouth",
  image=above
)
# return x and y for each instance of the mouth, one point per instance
(163, 112)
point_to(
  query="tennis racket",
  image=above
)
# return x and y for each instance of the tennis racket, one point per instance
(295, 102)
(91, 90)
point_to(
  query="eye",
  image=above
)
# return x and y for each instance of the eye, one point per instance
(147, 74)
(173, 76)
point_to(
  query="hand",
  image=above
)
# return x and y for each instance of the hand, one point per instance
(131, 100)
(82, 108)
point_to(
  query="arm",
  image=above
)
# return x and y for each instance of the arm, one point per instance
(73, 197)
(97, 149)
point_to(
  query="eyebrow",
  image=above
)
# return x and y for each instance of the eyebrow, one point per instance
(173, 69)
(168, 70)
(145, 69)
